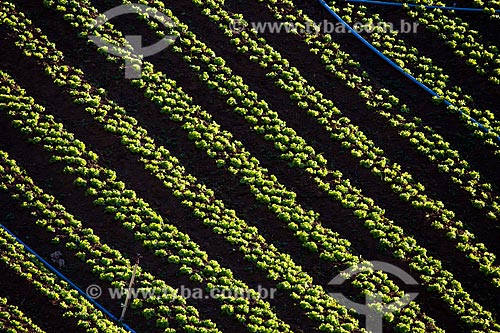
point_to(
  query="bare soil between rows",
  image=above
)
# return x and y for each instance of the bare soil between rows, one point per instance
(227, 187)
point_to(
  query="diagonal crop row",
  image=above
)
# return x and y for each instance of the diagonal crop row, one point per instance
(489, 6)
(424, 138)
(275, 129)
(459, 36)
(126, 208)
(77, 83)
(13, 320)
(422, 68)
(371, 156)
(148, 71)
(270, 190)
(163, 304)
(28, 267)
(135, 214)
(317, 304)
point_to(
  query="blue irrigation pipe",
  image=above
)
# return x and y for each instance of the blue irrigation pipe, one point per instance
(397, 4)
(399, 69)
(61, 276)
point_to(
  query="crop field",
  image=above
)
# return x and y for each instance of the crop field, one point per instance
(249, 166)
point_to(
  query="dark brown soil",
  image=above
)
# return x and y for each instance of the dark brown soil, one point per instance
(44, 313)
(228, 187)
(400, 212)
(128, 169)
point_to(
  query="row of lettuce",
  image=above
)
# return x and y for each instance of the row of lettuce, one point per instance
(384, 103)
(317, 304)
(165, 308)
(14, 257)
(393, 45)
(401, 182)
(267, 189)
(302, 225)
(265, 256)
(492, 7)
(121, 126)
(459, 36)
(267, 122)
(136, 215)
(408, 242)
(14, 320)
